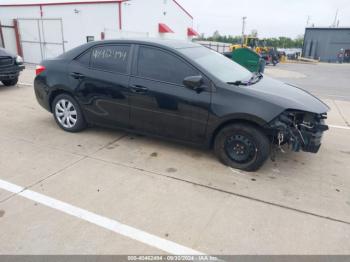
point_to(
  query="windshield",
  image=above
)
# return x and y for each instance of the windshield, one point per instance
(220, 66)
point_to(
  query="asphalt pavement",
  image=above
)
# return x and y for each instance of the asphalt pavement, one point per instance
(326, 80)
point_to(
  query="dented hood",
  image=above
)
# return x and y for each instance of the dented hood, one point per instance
(288, 96)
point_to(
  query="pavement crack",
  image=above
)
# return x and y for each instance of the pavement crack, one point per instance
(227, 192)
(110, 143)
(210, 220)
(341, 113)
(41, 180)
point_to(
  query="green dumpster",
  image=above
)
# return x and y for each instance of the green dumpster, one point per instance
(248, 59)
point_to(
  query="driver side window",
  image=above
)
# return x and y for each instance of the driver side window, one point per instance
(160, 65)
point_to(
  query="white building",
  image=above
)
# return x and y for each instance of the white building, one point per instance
(40, 29)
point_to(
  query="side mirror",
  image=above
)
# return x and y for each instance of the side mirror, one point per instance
(194, 82)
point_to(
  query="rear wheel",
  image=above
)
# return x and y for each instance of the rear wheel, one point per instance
(11, 82)
(242, 146)
(67, 113)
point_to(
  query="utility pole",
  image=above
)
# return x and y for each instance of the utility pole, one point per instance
(308, 21)
(243, 28)
(335, 18)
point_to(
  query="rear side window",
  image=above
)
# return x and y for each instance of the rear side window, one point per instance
(163, 66)
(112, 58)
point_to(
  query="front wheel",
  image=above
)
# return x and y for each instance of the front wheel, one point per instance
(68, 114)
(11, 82)
(242, 146)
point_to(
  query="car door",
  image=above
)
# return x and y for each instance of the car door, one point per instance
(101, 77)
(159, 102)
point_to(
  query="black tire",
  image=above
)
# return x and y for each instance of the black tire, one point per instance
(68, 125)
(11, 82)
(242, 146)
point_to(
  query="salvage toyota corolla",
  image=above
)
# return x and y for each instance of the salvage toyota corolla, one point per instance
(181, 91)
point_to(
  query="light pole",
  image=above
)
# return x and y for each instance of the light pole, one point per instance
(243, 28)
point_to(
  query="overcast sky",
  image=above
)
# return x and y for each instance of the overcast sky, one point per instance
(270, 17)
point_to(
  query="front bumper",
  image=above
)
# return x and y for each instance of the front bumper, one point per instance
(11, 72)
(312, 142)
(302, 131)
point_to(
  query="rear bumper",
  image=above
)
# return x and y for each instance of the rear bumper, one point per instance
(42, 93)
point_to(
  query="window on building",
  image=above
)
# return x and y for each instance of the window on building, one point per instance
(160, 65)
(90, 38)
(112, 58)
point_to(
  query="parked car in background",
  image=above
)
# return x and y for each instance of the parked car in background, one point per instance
(290, 53)
(181, 91)
(10, 67)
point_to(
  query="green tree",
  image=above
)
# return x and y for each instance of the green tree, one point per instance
(282, 41)
(216, 35)
(254, 33)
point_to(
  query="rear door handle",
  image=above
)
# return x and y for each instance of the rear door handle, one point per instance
(76, 75)
(138, 89)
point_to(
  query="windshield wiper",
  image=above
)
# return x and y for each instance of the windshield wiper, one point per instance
(238, 83)
(256, 77)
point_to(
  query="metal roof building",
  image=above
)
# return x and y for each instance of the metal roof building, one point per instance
(40, 29)
(325, 43)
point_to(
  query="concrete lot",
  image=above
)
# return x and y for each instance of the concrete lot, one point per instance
(299, 204)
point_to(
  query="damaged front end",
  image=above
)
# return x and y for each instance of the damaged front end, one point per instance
(302, 131)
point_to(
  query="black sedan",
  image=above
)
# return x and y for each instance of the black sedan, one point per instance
(181, 91)
(10, 66)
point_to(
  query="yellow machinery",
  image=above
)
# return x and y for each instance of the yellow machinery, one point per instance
(253, 43)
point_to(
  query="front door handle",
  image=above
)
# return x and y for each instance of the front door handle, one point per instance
(76, 75)
(138, 89)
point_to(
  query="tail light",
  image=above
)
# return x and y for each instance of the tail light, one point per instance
(39, 69)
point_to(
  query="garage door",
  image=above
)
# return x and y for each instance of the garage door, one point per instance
(41, 38)
(8, 36)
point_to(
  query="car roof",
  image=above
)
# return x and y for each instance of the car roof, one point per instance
(171, 43)
(165, 43)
